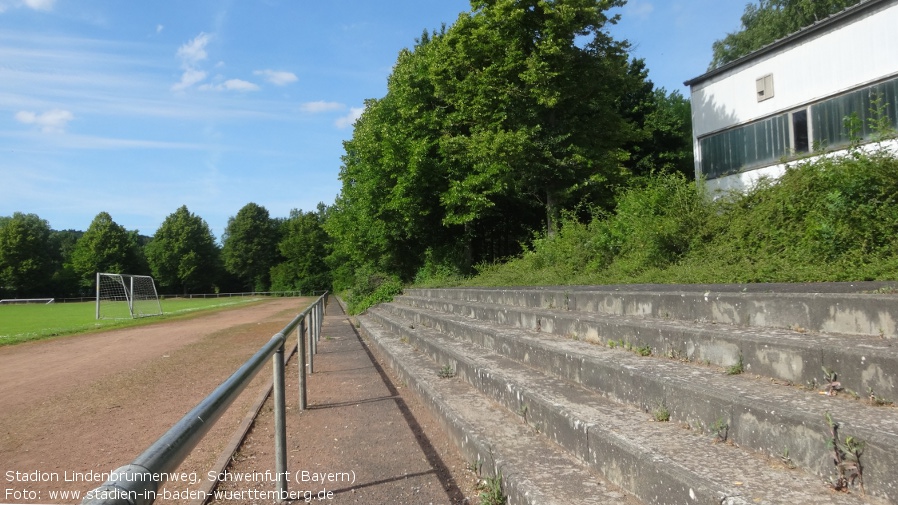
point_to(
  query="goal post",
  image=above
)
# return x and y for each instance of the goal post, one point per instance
(123, 296)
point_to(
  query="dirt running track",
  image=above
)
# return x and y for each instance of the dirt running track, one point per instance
(94, 402)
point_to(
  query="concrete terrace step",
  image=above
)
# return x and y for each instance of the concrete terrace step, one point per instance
(759, 414)
(861, 362)
(847, 308)
(533, 470)
(658, 462)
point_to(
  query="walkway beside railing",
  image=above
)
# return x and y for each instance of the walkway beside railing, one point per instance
(139, 482)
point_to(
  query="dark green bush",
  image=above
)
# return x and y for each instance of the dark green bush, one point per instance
(370, 289)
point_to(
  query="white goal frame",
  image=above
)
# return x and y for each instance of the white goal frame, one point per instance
(123, 296)
(18, 301)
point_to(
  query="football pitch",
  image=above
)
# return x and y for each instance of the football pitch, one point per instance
(22, 323)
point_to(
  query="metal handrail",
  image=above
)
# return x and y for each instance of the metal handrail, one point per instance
(138, 482)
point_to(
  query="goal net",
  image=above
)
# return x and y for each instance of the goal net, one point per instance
(121, 296)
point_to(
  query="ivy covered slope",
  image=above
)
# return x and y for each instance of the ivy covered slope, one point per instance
(831, 219)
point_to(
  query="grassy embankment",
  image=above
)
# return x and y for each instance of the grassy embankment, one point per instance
(830, 219)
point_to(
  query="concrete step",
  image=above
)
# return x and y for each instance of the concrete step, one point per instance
(849, 308)
(659, 462)
(759, 414)
(862, 363)
(532, 469)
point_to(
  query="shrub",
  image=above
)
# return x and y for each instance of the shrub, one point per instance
(371, 289)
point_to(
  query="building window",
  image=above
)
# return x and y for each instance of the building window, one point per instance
(856, 113)
(800, 136)
(825, 124)
(764, 87)
(756, 144)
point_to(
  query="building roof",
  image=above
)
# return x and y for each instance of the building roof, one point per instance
(836, 19)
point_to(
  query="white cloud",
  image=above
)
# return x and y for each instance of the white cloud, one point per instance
(348, 120)
(38, 5)
(190, 77)
(52, 121)
(277, 77)
(190, 55)
(194, 51)
(159, 28)
(320, 106)
(231, 85)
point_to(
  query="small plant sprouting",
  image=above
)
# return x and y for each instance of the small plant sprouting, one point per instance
(446, 372)
(786, 459)
(491, 491)
(846, 457)
(877, 401)
(721, 430)
(831, 383)
(645, 350)
(812, 384)
(522, 411)
(475, 466)
(661, 413)
(736, 368)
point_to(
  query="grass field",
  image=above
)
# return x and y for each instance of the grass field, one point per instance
(22, 323)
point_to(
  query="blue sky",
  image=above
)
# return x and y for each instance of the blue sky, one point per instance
(137, 108)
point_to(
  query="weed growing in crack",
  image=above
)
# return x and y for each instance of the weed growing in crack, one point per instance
(661, 413)
(877, 401)
(738, 367)
(446, 372)
(721, 430)
(831, 383)
(846, 457)
(784, 457)
(645, 350)
(491, 491)
(522, 411)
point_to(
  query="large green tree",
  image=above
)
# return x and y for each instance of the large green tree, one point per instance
(768, 20)
(26, 265)
(488, 130)
(249, 246)
(531, 91)
(303, 247)
(106, 246)
(183, 255)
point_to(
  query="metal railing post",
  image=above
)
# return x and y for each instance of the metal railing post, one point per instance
(280, 423)
(310, 340)
(316, 323)
(301, 362)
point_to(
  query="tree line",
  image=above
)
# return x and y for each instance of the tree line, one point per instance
(519, 116)
(257, 253)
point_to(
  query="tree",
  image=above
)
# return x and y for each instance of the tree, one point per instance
(183, 254)
(303, 246)
(531, 90)
(65, 282)
(662, 140)
(770, 20)
(106, 246)
(25, 254)
(488, 130)
(250, 246)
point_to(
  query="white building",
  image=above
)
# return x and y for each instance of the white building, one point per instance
(791, 98)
